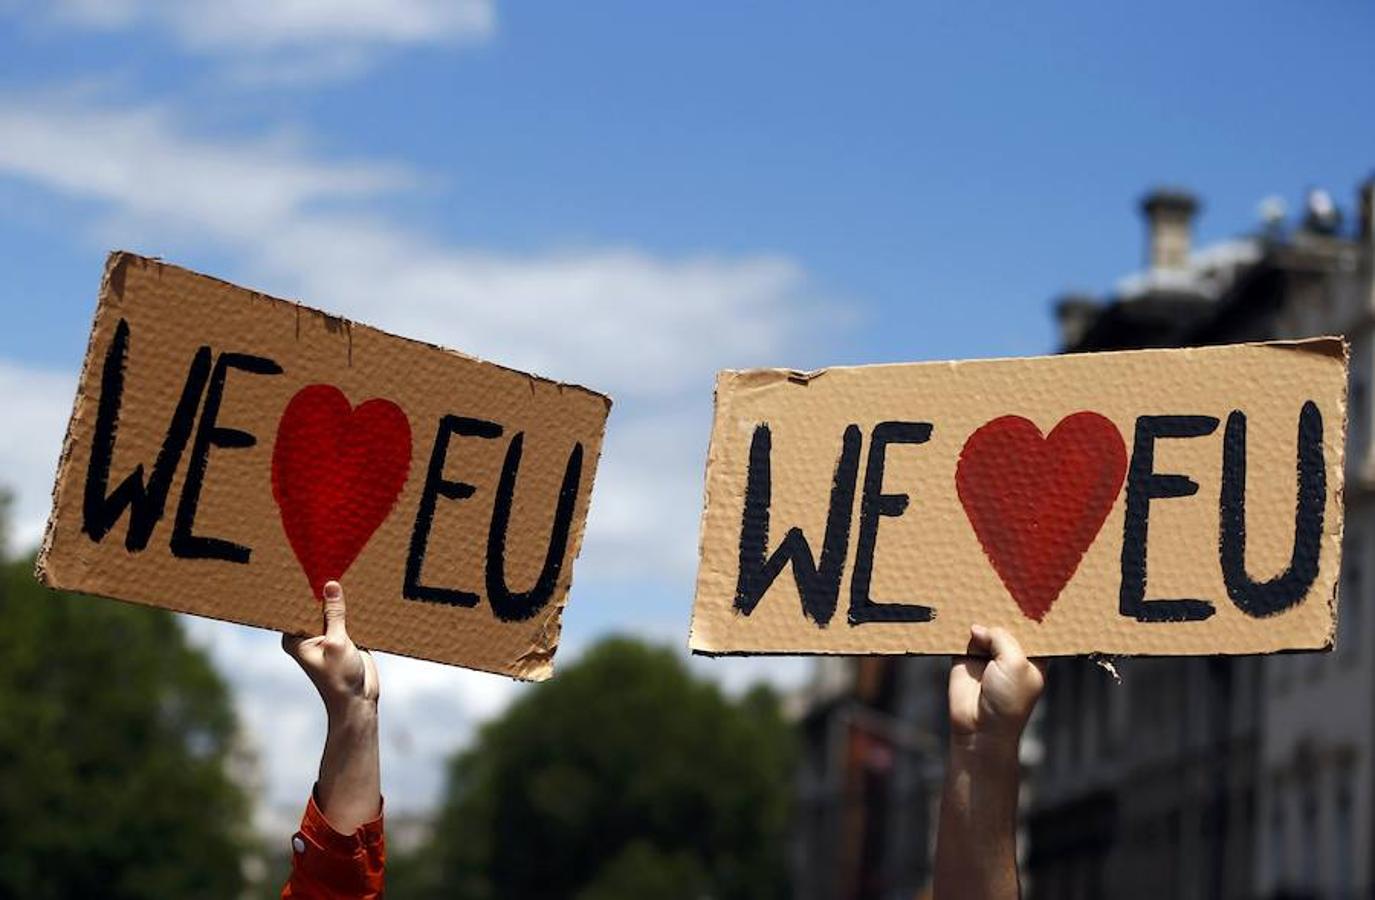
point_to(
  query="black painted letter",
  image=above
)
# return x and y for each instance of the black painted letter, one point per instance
(1144, 484)
(817, 585)
(875, 503)
(515, 606)
(1266, 598)
(436, 486)
(209, 433)
(146, 503)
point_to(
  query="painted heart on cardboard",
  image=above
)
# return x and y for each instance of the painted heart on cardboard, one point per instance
(1037, 503)
(336, 473)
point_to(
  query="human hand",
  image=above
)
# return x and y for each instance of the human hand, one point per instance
(992, 694)
(345, 676)
(350, 783)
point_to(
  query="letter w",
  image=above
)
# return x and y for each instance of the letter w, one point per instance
(818, 585)
(146, 503)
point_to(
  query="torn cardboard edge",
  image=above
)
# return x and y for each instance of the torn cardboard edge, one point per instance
(1333, 346)
(112, 285)
(117, 260)
(534, 662)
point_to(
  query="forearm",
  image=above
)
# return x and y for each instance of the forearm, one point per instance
(350, 785)
(976, 845)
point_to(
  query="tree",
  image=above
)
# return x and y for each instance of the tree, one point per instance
(114, 737)
(624, 777)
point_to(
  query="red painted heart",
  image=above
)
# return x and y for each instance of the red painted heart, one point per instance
(1037, 503)
(336, 473)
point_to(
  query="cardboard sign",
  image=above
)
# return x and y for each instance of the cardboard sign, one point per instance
(1154, 502)
(229, 453)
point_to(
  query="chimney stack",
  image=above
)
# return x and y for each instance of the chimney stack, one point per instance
(1366, 207)
(1075, 314)
(1169, 222)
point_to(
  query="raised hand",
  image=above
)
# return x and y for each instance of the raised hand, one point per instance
(349, 788)
(993, 689)
(341, 672)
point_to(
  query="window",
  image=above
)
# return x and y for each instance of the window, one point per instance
(1358, 440)
(1350, 615)
(1054, 715)
(1106, 738)
(1073, 717)
(1089, 735)
(1343, 870)
(1277, 672)
(1279, 864)
(1308, 872)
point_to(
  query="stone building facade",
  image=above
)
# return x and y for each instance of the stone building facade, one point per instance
(1216, 777)
(1192, 778)
(874, 732)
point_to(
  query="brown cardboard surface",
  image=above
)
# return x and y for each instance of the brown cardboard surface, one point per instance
(301, 465)
(998, 509)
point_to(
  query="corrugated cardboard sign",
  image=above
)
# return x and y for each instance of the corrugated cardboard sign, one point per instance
(1153, 502)
(228, 453)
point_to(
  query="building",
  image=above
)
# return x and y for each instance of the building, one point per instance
(1191, 778)
(1317, 795)
(1216, 777)
(873, 731)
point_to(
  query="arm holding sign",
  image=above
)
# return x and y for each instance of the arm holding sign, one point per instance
(991, 700)
(339, 851)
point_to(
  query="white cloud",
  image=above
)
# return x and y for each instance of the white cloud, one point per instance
(134, 160)
(649, 329)
(227, 25)
(427, 711)
(656, 462)
(36, 404)
(280, 42)
(646, 326)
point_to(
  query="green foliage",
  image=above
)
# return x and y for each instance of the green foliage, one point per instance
(114, 736)
(623, 777)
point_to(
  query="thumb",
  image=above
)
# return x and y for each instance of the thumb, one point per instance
(334, 611)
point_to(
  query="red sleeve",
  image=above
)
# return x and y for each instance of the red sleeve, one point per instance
(327, 864)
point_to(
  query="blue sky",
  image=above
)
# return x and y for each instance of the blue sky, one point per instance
(630, 195)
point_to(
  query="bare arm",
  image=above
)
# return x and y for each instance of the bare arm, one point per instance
(991, 700)
(349, 790)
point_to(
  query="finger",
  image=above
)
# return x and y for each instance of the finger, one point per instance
(370, 679)
(299, 648)
(291, 643)
(967, 671)
(979, 642)
(1006, 650)
(334, 611)
(966, 676)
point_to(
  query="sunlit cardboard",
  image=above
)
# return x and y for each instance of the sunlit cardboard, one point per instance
(229, 452)
(1126, 503)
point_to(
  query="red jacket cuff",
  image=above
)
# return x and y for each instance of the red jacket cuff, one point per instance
(326, 863)
(316, 829)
